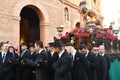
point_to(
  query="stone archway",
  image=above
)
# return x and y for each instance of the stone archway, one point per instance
(31, 18)
(77, 20)
(43, 16)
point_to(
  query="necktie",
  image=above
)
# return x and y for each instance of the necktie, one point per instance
(58, 60)
(3, 58)
(72, 59)
(13, 55)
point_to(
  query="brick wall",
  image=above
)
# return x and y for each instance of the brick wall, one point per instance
(53, 12)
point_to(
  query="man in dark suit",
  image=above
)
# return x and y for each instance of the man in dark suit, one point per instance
(24, 70)
(101, 64)
(91, 60)
(52, 58)
(33, 56)
(101, 68)
(6, 67)
(14, 61)
(52, 55)
(32, 52)
(41, 62)
(80, 64)
(63, 65)
(102, 53)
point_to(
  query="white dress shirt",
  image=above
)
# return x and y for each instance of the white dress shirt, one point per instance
(87, 53)
(4, 54)
(102, 54)
(61, 53)
(40, 51)
(73, 54)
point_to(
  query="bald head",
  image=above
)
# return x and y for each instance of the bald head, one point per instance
(102, 46)
(101, 49)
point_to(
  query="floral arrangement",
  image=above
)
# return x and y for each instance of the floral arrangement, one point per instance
(105, 33)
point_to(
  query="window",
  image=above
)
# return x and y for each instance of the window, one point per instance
(94, 1)
(66, 15)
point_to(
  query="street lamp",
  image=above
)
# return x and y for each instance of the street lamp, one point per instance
(60, 30)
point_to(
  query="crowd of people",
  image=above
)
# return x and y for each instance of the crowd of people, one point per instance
(54, 62)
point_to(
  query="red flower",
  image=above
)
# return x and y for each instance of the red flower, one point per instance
(99, 35)
(64, 37)
(83, 35)
(111, 37)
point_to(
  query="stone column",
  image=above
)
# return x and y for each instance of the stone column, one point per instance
(44, 33)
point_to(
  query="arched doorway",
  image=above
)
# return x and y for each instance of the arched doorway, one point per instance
(30, 24)
(77, 25)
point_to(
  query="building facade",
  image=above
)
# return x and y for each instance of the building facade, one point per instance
(31, 20)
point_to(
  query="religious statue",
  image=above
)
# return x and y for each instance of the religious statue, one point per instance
(88, 12)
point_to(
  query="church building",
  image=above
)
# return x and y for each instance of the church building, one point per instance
(32, 20)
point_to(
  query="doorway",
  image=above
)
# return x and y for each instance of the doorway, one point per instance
(29, 25)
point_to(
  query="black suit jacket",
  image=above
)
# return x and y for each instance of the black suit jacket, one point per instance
(63, 67)
(14, 62)
(6, 68)
(108, 66)
(80, 67)
(32, 70)
(26, 55)
(31, 60)
(42, 66)
(33, 56)
(101, 68)
(93, 65)
(52, 59)
(24, 70)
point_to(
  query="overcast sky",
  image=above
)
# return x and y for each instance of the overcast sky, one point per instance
(110, 10)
